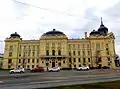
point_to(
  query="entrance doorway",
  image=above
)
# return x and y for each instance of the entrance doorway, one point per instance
(53, 64)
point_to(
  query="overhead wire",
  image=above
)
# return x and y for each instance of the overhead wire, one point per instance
(58, 12)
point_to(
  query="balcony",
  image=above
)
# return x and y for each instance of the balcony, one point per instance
(53, 56)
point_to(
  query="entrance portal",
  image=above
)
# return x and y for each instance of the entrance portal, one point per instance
(53, 64)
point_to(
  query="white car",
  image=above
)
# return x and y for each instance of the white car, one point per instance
(83, 68)
(54, 69)
(17, 70)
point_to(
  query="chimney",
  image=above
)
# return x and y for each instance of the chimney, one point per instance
(85, 34)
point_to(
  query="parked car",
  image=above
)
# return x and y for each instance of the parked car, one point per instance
(83, 68)
(17, 70)
(54, 69)
(38, 69)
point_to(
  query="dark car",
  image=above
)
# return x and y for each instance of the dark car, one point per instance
(38, 69)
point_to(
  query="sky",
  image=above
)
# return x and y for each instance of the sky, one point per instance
(32, 18)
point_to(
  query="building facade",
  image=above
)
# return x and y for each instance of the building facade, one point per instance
(55, 49)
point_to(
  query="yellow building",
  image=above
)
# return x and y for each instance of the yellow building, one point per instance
(55, 49)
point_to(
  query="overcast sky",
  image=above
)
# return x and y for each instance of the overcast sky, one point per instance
(32, 18)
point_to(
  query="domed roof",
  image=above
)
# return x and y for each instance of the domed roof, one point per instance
(53, 33)
(15, 35)
(95, 32)
(102, 29)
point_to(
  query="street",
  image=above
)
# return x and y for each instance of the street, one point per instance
(50, 79)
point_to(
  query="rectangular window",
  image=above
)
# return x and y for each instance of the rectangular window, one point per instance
(73, 46)
(74, 60)
(70, 60)
(64, 61)
(83, 60)
(74, 66)
(9, 61)
(88, 59)
(47, 52)
(59, 52)
(32, 66)
(33, 53)
(33, 60)
(78, 52)
(11, 48)
(19, 60)
(59, 64)
(97, 46)
(88, 52)
(28, 60)
(53, 52)
(28, 66)
(69, 53)
(74, 53)
(78, 46)
(10, 54)
(78, 59)
(83, 53)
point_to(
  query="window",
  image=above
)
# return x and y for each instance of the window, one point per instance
(59, 59)
(88, 52)
(70, 60)
(32, 66)
(78, 59)
(87, 45)
(28, 66)
(11, 48)
(64, 61)
(47, 59)
(107, 52)
(23, 60)
(10, 54)
(83, 60)
(33, 53)
(33, 47)
(42, 61)
(108, 59)
(9, 60)
(78, 52)
(83, 53)
(19, 66)
(59, 52)
(47, 52)
(53, 52)
(83, 45)
(74, 60)
(47, 64)
(33, 60)
(74, 66)
(78, 46)
(37, 65)
(53, 45)
(37, 47)
(69, 53)
(97, 46)
(74, 53)
(9, 66)
(88, 59)
(59, 64)
(19, 60)
(79, 65)
(28, 60)
(73, 46)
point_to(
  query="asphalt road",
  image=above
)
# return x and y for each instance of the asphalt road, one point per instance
(50, 79)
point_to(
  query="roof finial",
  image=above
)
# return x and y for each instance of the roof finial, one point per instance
(101, 21)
